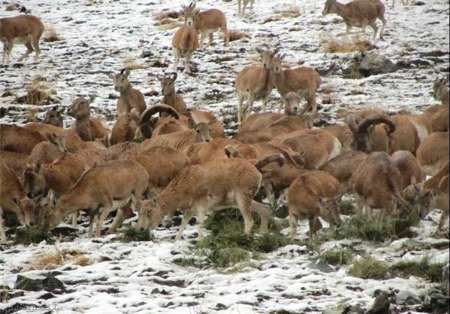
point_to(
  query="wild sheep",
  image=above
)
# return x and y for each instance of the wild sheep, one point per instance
(170, 97)
(18, 139)
(185, 40)
(438, 117)
(89, 129)
(130, 98)
(242, 5)
(343, 133)
(207, 22)
(17, 162)
(43, 152)
(343, 166)
(315, 145)
(53, 117)
(379, 183)
(302, 80)
(432, 153)
(359, 13)
(199, 189)
(255, 82)
(13, 199)
(102, 190)
(124, 128)
(313, 194)
(408, 166)
(26, 29)
(441, 91)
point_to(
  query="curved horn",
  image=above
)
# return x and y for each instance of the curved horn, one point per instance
(148, 113)
(261, 163)
(376, 119)
(352, 122)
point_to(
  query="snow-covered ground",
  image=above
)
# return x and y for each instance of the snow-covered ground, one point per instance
(99, 37)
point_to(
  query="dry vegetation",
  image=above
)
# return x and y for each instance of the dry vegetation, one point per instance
(56, 257)
(50, 34)
(39, 92)
(334, 45)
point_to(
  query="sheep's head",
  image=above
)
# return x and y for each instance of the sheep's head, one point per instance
(202, 130)
(292, 104)
(419, 198)
(120, 80)
(267, 56)
(53, 117)
(34, 183)
(147, 122)
(80, 108)
(190, 14)
(440, 87)
(329, 7)
(168, 83)
(27, 206)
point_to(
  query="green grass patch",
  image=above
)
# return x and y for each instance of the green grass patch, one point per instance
(372, 228)
(346, 207)
(337, 256)
(423, 268)
(32, 234)
(130, 234)
(368, 268)
(227, 245)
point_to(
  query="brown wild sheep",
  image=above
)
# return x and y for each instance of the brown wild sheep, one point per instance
(102, 190)
(18, 139)
(170, 97)
(432, 153)
(302, 80)
(53, 117)
(312, 195)
(27, 29)
(89, 129)
(409, 167)
(13, 199)
(441, 90)
(207, 22)
(255, 82)
(379, 183)
(185, 40)
(198, 189)
(130, 98)
(359, 13)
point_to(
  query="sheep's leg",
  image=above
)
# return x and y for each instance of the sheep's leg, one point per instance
(176, 56)
(74, 219)
(2, 228)
(292, 225)
(444, 218)
(186, 217)
(201, 215)
(117, 222)
(240, 108)
(244, 203)
(35, 43)
(373, 25)
(226, 36)
(264, 213)
(92, 225)
(187, 66)
(202, 39)
(28, 52)
(312, 104)
(264, 104)
(248, 107)
(104, 212)
(7, 48)
(383, 20)
(210, 38)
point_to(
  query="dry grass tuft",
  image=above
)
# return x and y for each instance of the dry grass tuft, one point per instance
(290, 11)
(55, 258)
(334, 45)
(39, 92)
(168, 15)
(130, 62)
(50, 34)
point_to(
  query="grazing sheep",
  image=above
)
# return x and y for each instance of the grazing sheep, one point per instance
(312, 195)
(27, 29)
(13, 199)
(359, 13)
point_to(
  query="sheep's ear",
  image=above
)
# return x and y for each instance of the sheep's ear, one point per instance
(126, 72)
(173, 76)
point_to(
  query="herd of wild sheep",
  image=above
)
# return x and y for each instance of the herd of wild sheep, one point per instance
(166, 158)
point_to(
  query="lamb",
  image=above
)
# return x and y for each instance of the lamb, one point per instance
(199, 189)
(102, 190)
(313, 194)
(89, 129)
(255, 82)
(378, 182)
(18, 139)
(302, 80)
(359, 13)
(13, 199)
(207, 22)
(242, 4)
(432, 153)
(130, 98)
(27, 29)
(185, 40)
(170, 97)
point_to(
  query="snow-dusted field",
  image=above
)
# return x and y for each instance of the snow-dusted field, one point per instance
(99, 38)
